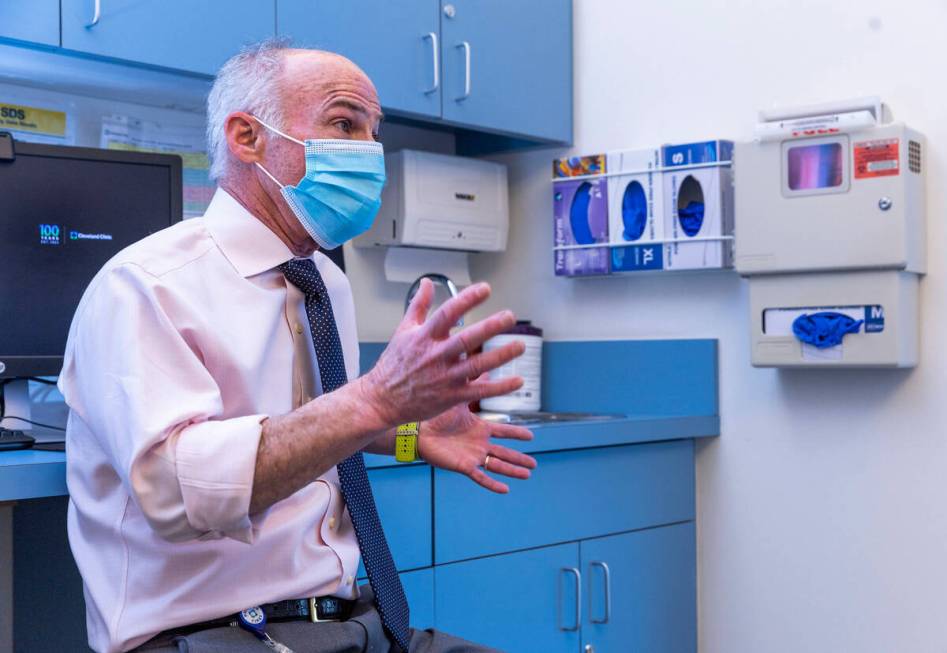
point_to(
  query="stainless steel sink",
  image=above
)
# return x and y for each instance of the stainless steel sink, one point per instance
(544, 418)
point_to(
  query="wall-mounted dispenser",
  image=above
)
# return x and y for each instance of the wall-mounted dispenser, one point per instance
(668, 208)
(830, 214)
(441, 201)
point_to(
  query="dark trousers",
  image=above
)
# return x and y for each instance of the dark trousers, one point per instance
(361, 633)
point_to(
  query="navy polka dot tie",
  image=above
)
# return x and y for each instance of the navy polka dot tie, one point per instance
(389, 595)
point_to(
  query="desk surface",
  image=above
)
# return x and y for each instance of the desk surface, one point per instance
(31, 474)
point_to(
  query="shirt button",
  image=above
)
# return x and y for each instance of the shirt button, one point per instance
(331, 522)
(349, 580)
(298, 328)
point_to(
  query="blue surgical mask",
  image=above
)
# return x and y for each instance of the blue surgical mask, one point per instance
(339, 196)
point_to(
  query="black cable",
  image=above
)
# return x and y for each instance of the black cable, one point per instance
(29, 421)
(39, 379)
(3, 403)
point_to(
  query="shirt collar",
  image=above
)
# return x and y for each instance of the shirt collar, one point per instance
(249, 245)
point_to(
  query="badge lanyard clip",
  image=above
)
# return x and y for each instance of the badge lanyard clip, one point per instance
(253, 620)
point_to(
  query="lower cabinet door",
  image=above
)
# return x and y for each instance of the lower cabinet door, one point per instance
(518, 602)
(403, 498)
(642, 591)
(419, 588)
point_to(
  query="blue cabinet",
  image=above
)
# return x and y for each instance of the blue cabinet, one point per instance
(641, 591)
(396, 43)
(36, 21)
(527, 601)
(403, 498)
(419, 588)
(191, 36)
(476, 65)
(508, 66)
(504, 67)
(572, 495)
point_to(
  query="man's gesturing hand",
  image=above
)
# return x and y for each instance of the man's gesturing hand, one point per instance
(425, 370)
(459, 441)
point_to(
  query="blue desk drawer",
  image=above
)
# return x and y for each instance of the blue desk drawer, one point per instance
(403, 497)
(572, 495)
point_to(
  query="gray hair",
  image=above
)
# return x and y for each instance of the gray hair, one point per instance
(249, 81)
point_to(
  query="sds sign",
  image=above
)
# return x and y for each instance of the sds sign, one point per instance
(12, 112)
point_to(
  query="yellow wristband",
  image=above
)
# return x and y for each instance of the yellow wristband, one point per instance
(406, 442)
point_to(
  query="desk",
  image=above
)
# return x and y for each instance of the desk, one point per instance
(641, 467)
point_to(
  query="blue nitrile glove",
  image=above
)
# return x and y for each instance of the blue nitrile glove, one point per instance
(825, 329)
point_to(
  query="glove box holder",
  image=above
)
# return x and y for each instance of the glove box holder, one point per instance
(886, 302)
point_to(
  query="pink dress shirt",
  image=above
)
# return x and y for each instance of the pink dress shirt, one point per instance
(180, 347)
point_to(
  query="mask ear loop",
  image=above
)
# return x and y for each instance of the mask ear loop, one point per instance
(287, 137)
(267, 173)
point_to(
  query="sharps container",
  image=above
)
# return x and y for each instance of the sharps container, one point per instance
(529, 366)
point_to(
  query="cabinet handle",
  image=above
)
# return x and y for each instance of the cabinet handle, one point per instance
(578, 598)
(608, 593)
(96, 13)
(466, 46)
(435, 61)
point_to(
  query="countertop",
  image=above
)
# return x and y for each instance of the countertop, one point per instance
(31, 474)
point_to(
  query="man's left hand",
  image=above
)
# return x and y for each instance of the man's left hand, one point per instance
(459, 441)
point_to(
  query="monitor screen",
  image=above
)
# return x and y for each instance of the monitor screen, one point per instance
(64, 212)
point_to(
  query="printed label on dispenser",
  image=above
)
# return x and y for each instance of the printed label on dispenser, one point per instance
(778, 321)
(638, 257)
(879, 158)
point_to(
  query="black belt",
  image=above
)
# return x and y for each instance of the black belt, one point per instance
(315, 609)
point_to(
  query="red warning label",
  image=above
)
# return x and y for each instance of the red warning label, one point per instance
(877, 158)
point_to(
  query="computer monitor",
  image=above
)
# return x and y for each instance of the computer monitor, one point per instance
(64, 212)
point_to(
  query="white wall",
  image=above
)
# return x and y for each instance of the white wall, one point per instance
(822, 518)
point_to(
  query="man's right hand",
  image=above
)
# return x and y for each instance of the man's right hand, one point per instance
(426, 370)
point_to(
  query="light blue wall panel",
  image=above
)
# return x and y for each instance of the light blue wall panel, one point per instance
(637, 377)
(634, 377)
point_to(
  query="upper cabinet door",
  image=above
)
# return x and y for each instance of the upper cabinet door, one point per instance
(396, 43)
(181, 34)
(508, 66)
(36, 21)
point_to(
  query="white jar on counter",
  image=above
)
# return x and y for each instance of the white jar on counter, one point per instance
(529, 366)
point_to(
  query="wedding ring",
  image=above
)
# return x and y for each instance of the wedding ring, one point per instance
(486, 462)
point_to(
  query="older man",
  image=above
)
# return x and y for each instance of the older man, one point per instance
(209, 489)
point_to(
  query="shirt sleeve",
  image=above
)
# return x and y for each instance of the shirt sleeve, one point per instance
(138, 381)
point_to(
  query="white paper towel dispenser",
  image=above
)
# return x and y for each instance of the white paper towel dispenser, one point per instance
(441, 201)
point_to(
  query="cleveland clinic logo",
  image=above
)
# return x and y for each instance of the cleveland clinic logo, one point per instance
(49, 234)
(78, 235)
